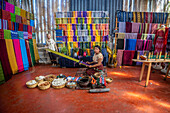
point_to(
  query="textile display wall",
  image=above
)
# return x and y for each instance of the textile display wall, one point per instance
(16, 41)
(82, 29)
(140, 32)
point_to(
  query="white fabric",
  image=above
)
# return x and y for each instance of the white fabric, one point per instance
(51, 44)
(96, 57)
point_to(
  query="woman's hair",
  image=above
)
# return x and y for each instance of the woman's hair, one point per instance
(97, 46)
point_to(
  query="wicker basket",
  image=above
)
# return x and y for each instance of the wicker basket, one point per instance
(58, 87)
(108, 79)
(37, 79)
(31, 86)
(44, 87)
(97, 74)
(50, 77)
(71, 86)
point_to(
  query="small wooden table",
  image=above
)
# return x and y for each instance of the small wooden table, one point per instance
(149, 64)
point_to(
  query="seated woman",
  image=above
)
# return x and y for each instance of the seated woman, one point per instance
(96, 64)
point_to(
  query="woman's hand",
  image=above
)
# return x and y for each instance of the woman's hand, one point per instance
(88, 62)
(90, 66)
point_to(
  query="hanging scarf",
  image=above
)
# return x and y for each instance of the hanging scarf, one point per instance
(28, 52)
(35, 50)
(5, 60)
(18, 55)
(32, 51)
(11, 55)
(2, 78)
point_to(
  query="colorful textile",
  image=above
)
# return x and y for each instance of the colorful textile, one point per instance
(149, 45)
(1, 34)
(130, 44)
(139, 44)
(121, 35)
(159, 45)
(120, 44)
(11, 55)
(17, 10)
(154, 27)
(135, 27)
(24, 54)
(122, 27)
(131, 35)
(128, 27)
(25, 35)
(2, 78)
(18, 55)
(120, 56)
(28, 52)
(32, 51)
(7, 34)
(4, 60)
(127, 57)
(35, 50)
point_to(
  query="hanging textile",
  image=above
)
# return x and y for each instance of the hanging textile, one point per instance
(148, 45)
(120, 44)
(128, 27)
(139, 44)
(28, 52)
(7, 34)
(35, 50)
(1, 34)
(119, 59)
(128, 56)
(24, 54)
(121, 35)
(32, 51)
(131, 35)
(122, 27)
(4, 60)
(135, 27)
(11, 55)
(18, 55)
(130, 44)
(2, 78)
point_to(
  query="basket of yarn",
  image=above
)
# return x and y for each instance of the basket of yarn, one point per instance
(58, 83)
(44, 85)
(40, 79)
(50, 77)
(71, 84)
(31, 84)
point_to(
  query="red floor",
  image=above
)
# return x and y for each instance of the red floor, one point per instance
(127, 95)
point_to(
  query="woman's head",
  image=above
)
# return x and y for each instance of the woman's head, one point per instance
(48, 36)
(96, 49)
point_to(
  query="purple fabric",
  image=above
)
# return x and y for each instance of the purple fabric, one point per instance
(64, 38)
(92, 38)
(7, 6)
(91, 26)
(150, 28)
(120, 56)
(149, 37)
(149, 45)
(128, 27)
(139, 44)
(135, 27)
(140, 53)
(122, 27)
(74, 38)
(128, 56)
(139, 36)
(144, 47)
(131, 35)
(73, 26)
(85, 20)
(84, 13)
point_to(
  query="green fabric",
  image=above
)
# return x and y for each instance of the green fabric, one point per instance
(11, 1)
(2, 78)
(33, 35)
(7, 34)
(12, 17)
(17, 10)
(32, 51)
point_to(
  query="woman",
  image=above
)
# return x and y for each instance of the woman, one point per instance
(96, 64)
(51, 44)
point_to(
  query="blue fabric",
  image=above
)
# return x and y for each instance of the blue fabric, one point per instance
(105, 54)
(24, 54)
(14, 35)
(130, 44)
(31, 22)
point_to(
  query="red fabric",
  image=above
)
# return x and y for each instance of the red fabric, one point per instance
(4, 60)
(151, 16)
(1, 34)
(20, 27)
(128, 27)
(9, 25)
(157, 42)
(92, 71)
(29, 35)
(28, 52)
(146, 17)
(128, 56)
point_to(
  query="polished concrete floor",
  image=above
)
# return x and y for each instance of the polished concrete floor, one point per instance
(126, 95)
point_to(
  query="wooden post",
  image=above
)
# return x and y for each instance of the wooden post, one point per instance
(148, 74)
(152, 54)
(149, 56)
(138, 55)
(141, 74)
(156, 56)
(160, 55)
(165, 55)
